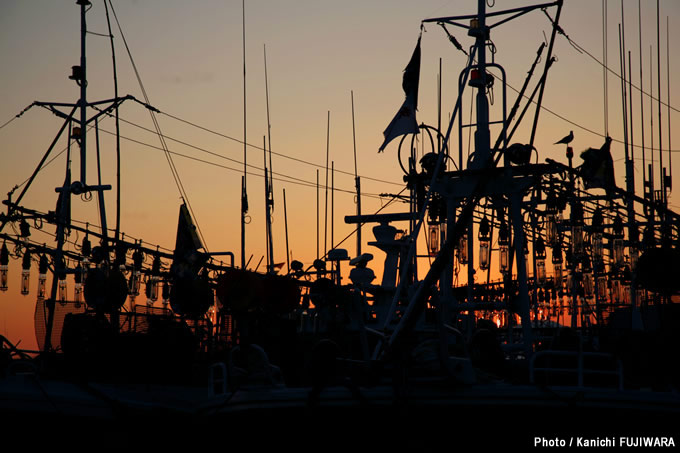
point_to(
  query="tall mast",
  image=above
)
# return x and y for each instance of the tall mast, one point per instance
(325, 224)
(244, 192)
(357, 180)
(668, 104)
(482, 134)
(662, 184)
(82, 81)
(642, 109)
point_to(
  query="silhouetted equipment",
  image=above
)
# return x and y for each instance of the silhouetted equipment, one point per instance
(429, 162)
(105, 289)
(241, 291)
(519, 154)
(597, 169)
(658, 269)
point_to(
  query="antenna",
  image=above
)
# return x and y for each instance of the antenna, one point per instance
(668, 104)
(325, 226)
(642, 109)
(269, 126)
(244, 190)
(357, 180)
(285, 221)
(662, 185)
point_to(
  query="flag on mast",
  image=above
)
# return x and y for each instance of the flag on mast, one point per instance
(404, 121)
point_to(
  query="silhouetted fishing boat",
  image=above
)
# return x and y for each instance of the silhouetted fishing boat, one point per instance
(585, 350)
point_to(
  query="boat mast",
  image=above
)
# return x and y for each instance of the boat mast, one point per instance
(357, 180)
(244, 192)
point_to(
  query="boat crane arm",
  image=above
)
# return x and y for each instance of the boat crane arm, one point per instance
(516, 11)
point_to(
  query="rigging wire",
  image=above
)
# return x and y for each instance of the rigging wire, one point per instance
(212, 153)
(273, 152)
(583, 50)
(173, 169)
(575, 124)
(291, 179)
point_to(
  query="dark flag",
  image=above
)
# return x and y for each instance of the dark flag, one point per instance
(190, 293)
(404, 121)
(64, 201)
(597, 169)
(187, 242)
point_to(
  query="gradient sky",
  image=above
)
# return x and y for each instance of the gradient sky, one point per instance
(189, 57)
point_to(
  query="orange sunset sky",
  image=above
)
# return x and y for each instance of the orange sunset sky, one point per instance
(190, 58)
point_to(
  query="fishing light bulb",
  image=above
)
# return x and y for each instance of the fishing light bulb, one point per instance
(617, 293)
(42, 277)
(539, 250)
(557, 270)
(570, 282)
(3, 277)
(155, 279)
(165, 294)
(577, 239)
(598, 247)
(557, 265)
(154, 289)
(551, 229)
(504, 258)
(25, 272)
(526, 259)
(463, 249)
(617, 242)
(484, 244)
(78, 287)
(135, 283)
(25, 281)
(634, 256)
(540, 270)
(588, 285)
(504, 252)
(442, 233)
(433, 236)
(4, 266)
(62, 296)
(484, 252)
(577, 228)
(602, 288)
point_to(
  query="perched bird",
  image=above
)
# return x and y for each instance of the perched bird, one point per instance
(566, 140)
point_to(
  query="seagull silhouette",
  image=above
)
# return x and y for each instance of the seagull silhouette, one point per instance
(566, 140)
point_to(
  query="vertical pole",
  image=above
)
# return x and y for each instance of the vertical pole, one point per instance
(517, 224)
(482, 134)
(662, 185)
(325, 215)
(651, 129)
(244, 191)
(357, 180)
(332, 202)
(668, 104)
(83, 95)
(266, 207)
(604, 67)
(642, 109)
(269, 127)
(439, 107)
(317, 214)
(100, 193)
(115, 95)
(285, 221)
(630, 169)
